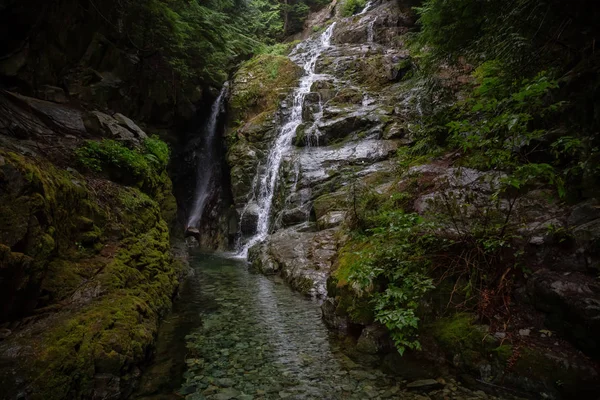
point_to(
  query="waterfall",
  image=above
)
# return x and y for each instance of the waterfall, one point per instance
(370, 30)
(205, 158)
(306, 55)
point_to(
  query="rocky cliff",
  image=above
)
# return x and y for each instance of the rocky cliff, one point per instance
(351, 156)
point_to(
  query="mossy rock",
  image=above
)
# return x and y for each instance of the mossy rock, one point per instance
(93, 258)
(260, 83)
(329, 202)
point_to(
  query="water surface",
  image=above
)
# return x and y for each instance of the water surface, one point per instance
(251, 337)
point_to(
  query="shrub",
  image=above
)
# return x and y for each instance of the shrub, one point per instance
(351, 7)
(122, 164)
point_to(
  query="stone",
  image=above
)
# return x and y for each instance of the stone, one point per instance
(5, 333)
(225, 382)
(53, 94)
(249, 218)
(424, 384)
(584, 212)
(104, 125)
(56, 116)
(129, 124)
(374, 339)
(331, 219)
(571, 303)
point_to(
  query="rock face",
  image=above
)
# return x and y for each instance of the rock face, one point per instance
(361, 111)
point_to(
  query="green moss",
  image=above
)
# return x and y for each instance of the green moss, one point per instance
(260, 83)
(329, 202)
(458, 332)
(108, 243)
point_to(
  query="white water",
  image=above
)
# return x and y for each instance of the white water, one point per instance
(306, 55)
(205, 161)
(367, 7)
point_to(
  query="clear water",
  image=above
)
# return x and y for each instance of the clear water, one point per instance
(250, 337)
(205, 161)
(305, 54)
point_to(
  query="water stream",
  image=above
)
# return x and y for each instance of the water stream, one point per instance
(249, 336)
(306, 55)
(205, 159)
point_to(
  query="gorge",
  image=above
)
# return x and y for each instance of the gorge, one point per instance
(312, 200)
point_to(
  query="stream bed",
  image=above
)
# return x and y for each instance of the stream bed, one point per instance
(235, 334)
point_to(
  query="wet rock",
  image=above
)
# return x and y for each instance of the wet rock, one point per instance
(331, 318)
(303, 258)
(5, 333)
(249, 218)
(395, 130)
(584, 212)
(336, 129)
(295, 216)
(226, 394)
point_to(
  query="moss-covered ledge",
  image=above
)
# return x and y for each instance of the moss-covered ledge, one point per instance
(86, 270)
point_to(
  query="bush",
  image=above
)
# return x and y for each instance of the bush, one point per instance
(351, 7)
(122, 164)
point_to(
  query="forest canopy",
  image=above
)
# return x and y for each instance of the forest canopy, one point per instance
(202, 39)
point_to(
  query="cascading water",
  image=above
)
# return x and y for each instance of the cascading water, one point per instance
(371, 30)
(205, 158)
(305, 54)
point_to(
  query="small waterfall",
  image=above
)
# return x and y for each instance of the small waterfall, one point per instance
(305, 54)
(370, 30)
(367, 7)
(205, 156)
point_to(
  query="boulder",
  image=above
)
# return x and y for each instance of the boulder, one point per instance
(249, 219)
(374, 339)
(129, 124)
(100, 124)
(571, 303)
(303, 259)
(331, 219)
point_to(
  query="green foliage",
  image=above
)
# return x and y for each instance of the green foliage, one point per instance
(388, 264)
(520, 110)
(522, 34)
(142, 167)
(203, 40)
(157, 152)
(351, 7)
